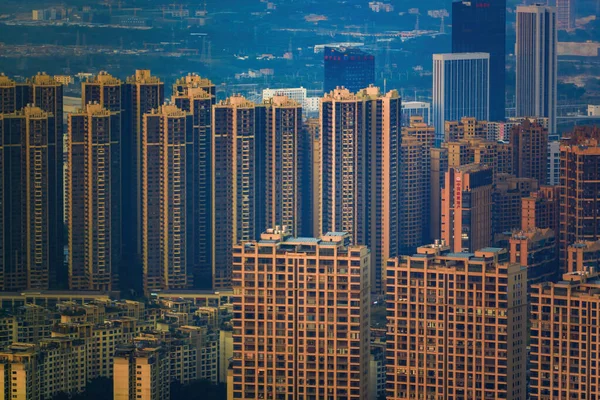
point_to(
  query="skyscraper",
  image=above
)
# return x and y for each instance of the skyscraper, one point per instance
(467, 207)
(105, 90)
(167, 198)
(348, 67)
(540, 209)
(536, 66)
(529, 141)
(535, 249)
(93, 192)
(141, 373)
(284, 161)
(311, 342)
(565, 10)
(196, 95)
(506, 197)
(13, 95)
(419, 173)
(564, 337)
(143, 93)
(461, 88)
(237, 180)
(457, 325)
(480, 26)
(28, 215)
(578, 197)
(360, 177)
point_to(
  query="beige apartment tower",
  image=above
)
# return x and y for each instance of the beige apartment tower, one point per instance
(141, 374)
(93, 194)
(360, 164)
(237, 184)
(467, 207)
(301, 318)
(565, 337)
(196, 95)
(578, 196)
(167, 183)
(143, 93)
(27, 214)
(457, 325)
(416, 176)
(284, 162)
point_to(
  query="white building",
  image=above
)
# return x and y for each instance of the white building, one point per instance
(310, 105)
(501, 130)
(461, 88)
(593, 111)
(536, 54)
(553, 162)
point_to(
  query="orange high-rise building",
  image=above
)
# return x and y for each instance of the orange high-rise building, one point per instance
(578, 200)
(457, 325)
(540, 209)
(535, 249)
(467, 207)
(564, 337)
(93, 195)
(196, 95)
(301, 318)
(167, 198)
(360, 164)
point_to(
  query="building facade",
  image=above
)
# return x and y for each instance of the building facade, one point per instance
(360, 171)
(167, 198)
(529, 142)
(237, 180)
(535, 249)
(29, 198)
(312, 342)
(578, 197)
(350, 68)
(93, 192)
(564, 337)
(461, 88)
(467, 207)
(196, 95)
(141, 374)
(480, 26)
(434, 296)
(536, 66)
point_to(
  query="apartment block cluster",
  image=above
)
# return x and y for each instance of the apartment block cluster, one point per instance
(60, 346)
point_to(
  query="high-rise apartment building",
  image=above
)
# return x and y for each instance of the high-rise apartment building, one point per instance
(529, 142)
(360, 171)
(564, 337)
(13, 95)
(439, 166)
(578, 199)
(553, 161)
(29, 194)
(196, 95)
(457, 325)
(143, 93)
(93, 193)
(540, 209)
(285, 150)
(350, 68)
(141, 374)
(536, 67)
(480, 26)
(507, 195)
(535, 249)
(465, 128)
(311, 342)
(583, 256)
(237, 180)
(467, 207)
(105, 90)
(497, 155)
(167, 198)
(415, 178)
(565, 14)
(461, 88)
